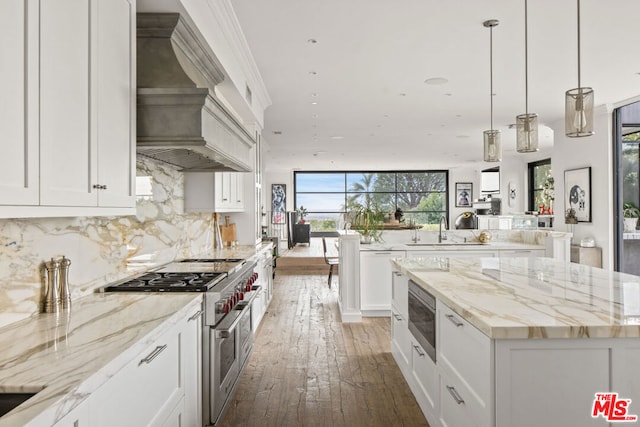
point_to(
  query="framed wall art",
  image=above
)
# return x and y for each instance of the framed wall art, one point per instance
(464, 194)
(278, 203)
(577, 192)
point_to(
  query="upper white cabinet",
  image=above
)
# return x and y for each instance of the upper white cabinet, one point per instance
(19, 106)
(214, 192)
(83, 131)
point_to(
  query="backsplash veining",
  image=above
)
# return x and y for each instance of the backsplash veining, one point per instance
(99, 247)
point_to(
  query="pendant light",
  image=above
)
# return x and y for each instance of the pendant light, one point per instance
(527, 123)
(578, 119)
(492, 147)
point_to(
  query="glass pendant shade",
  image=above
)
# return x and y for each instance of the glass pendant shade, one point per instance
(492, 146)
(527, 133)
(578, 118)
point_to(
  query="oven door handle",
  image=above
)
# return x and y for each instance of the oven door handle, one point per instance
(254, 293)
(230, 321)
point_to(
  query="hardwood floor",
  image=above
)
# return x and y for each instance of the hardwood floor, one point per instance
(309, 369)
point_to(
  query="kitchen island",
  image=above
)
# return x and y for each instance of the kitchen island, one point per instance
(365, 284)
(519, 341)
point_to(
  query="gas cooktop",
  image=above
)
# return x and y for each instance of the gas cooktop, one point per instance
(170, 282)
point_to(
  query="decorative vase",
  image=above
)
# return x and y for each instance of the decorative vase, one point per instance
(630, 224)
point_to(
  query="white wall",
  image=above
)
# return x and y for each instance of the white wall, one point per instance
(594, 151)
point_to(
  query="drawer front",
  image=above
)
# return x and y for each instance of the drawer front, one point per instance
(143, 390)
(459, 407)
(425, 373)
(400, 337)
(400, 293)
(464, 351)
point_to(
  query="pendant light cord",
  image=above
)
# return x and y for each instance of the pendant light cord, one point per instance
(579, 85)
(491, 72)
(526, 62)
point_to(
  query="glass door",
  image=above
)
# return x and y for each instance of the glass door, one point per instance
(627, 148)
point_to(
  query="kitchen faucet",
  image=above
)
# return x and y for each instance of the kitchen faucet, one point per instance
(440, 236)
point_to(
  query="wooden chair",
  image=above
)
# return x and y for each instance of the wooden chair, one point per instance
(330, 261)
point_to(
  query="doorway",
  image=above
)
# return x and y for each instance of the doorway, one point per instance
(627, 191)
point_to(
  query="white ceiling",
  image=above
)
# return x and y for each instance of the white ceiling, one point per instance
(372, 58)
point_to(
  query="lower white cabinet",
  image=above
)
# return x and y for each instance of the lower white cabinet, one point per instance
(160, 386)
(400, 339)
(375, 284)
(426, 378)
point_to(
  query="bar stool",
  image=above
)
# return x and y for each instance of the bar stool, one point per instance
(330, 261)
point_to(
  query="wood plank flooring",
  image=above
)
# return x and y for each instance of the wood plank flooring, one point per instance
(309, 369)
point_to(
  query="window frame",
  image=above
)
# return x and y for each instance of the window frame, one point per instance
(530, 185)
(347, 193)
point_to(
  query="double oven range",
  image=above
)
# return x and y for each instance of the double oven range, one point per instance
(227, 338)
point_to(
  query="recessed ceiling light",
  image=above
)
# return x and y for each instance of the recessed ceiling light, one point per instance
(312, 41)
(403, 94)
(313, 73)
(462, 136)
(315, 116)
(277, 132)
(436, 81)
(337, 137)
(448, 94)
(314, 94)
(314, 103)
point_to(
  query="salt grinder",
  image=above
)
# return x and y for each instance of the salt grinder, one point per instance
(65, 294)
(51, 299)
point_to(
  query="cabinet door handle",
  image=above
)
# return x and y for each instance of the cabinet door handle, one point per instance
(195, 316)
(159, 349)
(382, 253)
(397, 273)
(454, 393)
(224, 200)
(397, 316)
(420, 352)
(455, 321)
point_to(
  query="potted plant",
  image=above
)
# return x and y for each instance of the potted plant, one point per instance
(366, 221)
(301, 212)
(630, 213)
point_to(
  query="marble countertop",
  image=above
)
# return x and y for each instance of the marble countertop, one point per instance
(71, 354)
(450, 246)
(522, 298)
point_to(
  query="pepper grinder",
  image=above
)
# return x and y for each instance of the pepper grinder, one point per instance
(51, 299)
(65, 294)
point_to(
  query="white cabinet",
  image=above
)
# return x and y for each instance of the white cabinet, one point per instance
(85, 117)
(400, 335)
(426, 379)
(190, 333)
(375, 282)
(159, 385)
(214, 192)
(19, 107)
(456, 254)
(465, 359)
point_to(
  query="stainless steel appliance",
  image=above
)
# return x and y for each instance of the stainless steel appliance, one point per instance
(422, 318)
(466, 220)
(227, 337)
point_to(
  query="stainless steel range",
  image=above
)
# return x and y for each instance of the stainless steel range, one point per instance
(227, 337)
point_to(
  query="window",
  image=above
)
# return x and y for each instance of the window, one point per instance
(421, 195)
(540, 184)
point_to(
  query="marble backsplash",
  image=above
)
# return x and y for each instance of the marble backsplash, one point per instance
(99, 247)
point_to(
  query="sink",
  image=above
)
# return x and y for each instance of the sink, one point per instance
(9, 401)
(446, 244)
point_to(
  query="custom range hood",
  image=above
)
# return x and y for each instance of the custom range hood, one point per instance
(180, 121)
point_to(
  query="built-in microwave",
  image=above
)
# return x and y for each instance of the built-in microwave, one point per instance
(422, 318)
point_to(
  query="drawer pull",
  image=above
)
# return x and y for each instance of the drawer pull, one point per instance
(195, 315)
(420, 352)
(397, 273)
(455, 321)
(454, 393)
(397, 316)
(159, 349)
